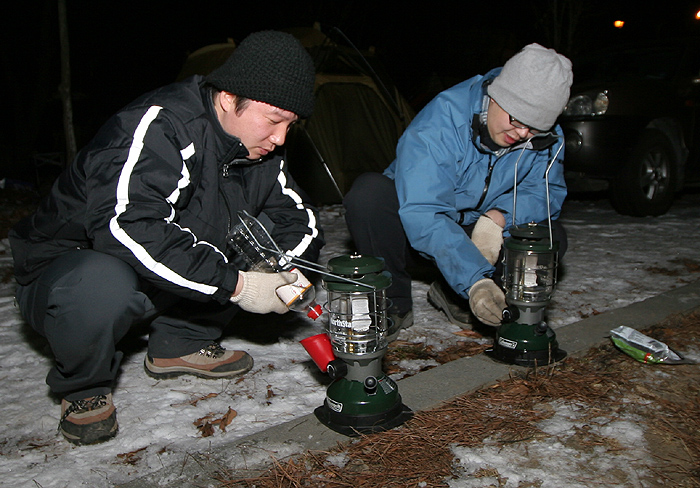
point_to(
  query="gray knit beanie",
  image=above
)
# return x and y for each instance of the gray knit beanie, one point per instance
(271, 67)
(533, 86)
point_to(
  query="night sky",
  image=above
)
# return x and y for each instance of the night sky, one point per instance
(119, 50)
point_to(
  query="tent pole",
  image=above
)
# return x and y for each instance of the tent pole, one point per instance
(323, 163)
(373, 75)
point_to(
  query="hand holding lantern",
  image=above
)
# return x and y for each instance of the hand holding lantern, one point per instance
(487, 301)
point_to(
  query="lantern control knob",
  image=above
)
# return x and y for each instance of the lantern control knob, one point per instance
(541, 329)
(337, 369)
(510, 314)
(371, 385)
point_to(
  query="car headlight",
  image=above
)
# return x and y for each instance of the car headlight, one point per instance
(585, 105)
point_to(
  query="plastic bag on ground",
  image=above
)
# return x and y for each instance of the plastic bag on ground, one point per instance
(643, 348)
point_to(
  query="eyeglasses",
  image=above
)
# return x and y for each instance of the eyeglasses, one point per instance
(519, 125)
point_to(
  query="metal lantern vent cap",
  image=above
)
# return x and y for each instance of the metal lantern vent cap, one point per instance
(530, 237)
(355, 264)
(362, 269)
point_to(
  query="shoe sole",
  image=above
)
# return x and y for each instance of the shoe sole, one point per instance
(440, 304)
(160, 373)
(90, 434)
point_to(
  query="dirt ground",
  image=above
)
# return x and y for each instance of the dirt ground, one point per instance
(606, 382)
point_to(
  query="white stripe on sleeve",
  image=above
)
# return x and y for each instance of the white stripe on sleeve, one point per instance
(122, 197)
(312, 224)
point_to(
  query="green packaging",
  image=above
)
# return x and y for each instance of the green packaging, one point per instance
(643, 348)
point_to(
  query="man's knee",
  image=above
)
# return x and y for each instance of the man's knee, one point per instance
(87, 286)
(95, 273)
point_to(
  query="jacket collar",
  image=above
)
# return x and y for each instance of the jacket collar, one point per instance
(232, 150)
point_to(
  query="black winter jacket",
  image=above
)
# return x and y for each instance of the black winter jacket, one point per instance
(159, 187)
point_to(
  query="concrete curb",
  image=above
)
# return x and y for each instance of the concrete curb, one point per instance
(419, 392)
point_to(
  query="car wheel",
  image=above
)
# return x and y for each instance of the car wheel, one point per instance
(645, 185)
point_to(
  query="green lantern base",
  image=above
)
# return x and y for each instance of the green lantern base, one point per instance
(353, 408)
(526, 345)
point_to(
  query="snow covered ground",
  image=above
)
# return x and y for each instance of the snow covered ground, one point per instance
(612, 261)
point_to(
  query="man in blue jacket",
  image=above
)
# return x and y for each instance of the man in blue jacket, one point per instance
(449, 194)
(135, 230)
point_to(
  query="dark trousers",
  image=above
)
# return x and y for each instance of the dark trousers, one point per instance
(372, 216)
(86, 301)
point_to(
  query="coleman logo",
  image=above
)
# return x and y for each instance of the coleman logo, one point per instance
(507, 343)
(333, 405)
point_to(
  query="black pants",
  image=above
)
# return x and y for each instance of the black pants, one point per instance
(86, 301)
(372, 216)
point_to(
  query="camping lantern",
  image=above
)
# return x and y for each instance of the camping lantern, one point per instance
(361, 399)
(529, 276)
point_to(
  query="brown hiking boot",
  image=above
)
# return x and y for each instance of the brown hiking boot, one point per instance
(210, 362)
(455, 307)
(89, 420)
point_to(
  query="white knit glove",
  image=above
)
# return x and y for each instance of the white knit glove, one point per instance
(487, 236)
(258, 292)
(487, 301)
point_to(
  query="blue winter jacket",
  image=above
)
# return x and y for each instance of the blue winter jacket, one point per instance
(444, 177)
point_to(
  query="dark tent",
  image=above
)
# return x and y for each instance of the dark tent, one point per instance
(358, 115)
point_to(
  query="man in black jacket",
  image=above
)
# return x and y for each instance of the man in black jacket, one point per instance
(135, 230)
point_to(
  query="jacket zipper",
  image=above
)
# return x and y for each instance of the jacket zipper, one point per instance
(487, 182)
(225, 174)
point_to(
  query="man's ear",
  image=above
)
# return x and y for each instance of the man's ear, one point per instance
(227, 101)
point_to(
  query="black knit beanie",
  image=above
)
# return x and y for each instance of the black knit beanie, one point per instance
(271, 67)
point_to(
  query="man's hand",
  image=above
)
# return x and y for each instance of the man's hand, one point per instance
(487, 236)
(487, 301)
(257, 291)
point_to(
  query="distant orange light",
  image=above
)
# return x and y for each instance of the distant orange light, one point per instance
(620, 23)
(697, 15)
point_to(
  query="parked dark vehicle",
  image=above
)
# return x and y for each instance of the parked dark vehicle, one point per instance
(631, 123)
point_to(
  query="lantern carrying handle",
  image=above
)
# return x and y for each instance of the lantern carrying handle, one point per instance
(546, 181)
(297, 261)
